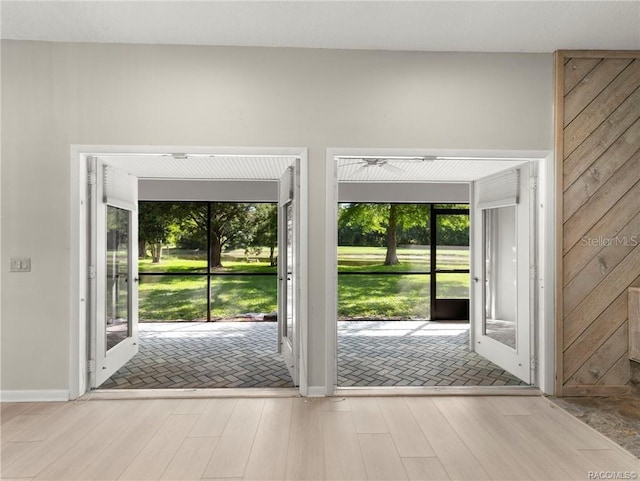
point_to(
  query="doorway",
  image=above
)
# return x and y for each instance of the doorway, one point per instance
(394, 175)
(196, 183)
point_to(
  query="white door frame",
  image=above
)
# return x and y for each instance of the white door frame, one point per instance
(78, 252)
(545, 328)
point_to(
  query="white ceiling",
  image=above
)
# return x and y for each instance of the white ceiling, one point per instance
(201, 167)
(470, 26)
(444, 170)
(225, 167)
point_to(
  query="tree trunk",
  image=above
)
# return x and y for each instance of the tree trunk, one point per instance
(156, 252)
(142, 249)
(272, 261)
(215, 251)
(391, 258)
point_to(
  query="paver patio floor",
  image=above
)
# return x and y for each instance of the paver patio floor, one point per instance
(243, 354)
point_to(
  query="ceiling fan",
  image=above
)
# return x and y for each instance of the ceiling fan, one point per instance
(386, 163)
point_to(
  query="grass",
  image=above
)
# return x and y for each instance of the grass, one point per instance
(174, 298)
(185, 297)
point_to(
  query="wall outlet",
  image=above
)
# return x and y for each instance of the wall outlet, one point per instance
(20, 264)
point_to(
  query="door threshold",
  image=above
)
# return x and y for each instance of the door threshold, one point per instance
(187, 393)
(438, 391)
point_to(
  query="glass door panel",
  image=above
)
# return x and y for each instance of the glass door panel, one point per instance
(452, 241)
(451, 261)
(172, 298)
(289, 308)
(452, 285)
(500, 275)
(118, 301)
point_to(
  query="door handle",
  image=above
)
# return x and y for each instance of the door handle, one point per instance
(475, 279)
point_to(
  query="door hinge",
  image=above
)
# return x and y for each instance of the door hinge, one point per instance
(91, 365)
(91, 272)
(533, 272)
(533, 183)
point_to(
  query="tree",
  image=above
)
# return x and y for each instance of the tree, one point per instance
(264, 222)
(156, 222)
(384, 219)
(229, 225)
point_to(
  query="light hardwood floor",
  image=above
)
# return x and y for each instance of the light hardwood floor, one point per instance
(354, 438)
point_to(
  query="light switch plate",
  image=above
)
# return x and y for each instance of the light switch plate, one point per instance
(20, 264)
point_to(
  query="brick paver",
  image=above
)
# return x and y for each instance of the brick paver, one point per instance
(243, 354)
(204, 355)
(412, 353)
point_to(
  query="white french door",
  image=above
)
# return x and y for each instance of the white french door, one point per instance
(113, 274)
(288, 269)
(503, 255)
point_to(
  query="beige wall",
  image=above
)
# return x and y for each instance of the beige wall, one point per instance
(54, 95)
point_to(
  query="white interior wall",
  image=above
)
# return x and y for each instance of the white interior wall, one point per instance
(267, 191)
(208, 190)
(440, 192)
(56, 94)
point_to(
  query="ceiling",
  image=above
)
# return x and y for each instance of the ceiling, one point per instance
(410, 170)
(201, 167)
(469, 26)
(271, 168)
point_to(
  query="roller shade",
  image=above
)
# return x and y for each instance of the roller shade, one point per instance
(498, 190)
(120, 188)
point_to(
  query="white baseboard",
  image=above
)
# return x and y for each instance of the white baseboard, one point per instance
(39, 395)
(316, 391)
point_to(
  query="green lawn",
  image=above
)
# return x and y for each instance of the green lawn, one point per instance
(375, 295)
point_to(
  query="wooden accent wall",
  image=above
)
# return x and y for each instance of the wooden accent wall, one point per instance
(598, 198)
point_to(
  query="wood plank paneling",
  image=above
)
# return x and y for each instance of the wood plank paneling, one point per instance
(592, 338)
(598, 108)
(601, 202)
(607, 355)
(599, 267)
(619, 373)
(576, 69)
(606, 228)
(591, 85)
(601, 139)
(602, 296)
(634, 323)
(598, 166)
(601, 170)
